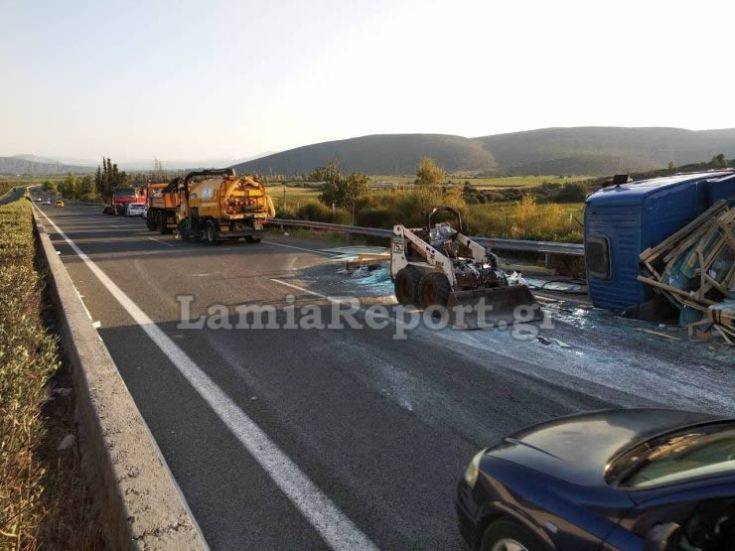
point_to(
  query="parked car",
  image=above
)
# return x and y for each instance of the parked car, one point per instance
(631, 479)
(47, 202)
(135, 209)
(59, 203)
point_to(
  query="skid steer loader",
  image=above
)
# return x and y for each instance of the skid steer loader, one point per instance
(440, 266)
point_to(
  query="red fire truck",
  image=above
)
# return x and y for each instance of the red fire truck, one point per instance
(122, 197)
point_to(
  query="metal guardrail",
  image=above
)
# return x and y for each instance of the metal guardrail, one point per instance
(544, 247)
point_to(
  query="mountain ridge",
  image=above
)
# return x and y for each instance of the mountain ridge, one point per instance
(592, 150)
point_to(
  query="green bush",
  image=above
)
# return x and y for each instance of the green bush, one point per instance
(5, 187)
(574, 192)
(376, 217)
(342, 216)
(319, 212)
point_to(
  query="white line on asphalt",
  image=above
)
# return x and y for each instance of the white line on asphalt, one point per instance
(340, 300)
(298, 248)
(326, 518)
(161, 242)
(308, 291)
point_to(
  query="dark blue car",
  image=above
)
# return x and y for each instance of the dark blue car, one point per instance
(620, 479)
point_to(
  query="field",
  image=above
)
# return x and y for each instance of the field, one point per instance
(495, 183)
(525, 218)
(292, 196)
(300, 192)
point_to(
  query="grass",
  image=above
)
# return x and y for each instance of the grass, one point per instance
(528, 219)
(518, 182)
(494, 182)
(523, 219)
(295, 196)
(42, 500)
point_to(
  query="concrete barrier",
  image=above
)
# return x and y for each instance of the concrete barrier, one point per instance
(140, 504)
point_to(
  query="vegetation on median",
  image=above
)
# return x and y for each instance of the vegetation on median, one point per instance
(42, 500)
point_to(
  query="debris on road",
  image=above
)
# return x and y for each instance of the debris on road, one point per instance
(695, 270)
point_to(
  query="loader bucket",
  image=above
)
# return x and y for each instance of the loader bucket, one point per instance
(494, 307)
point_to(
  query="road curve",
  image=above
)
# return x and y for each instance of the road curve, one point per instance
(332, 438)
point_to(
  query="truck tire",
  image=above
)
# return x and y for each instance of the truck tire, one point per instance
(163, 222)
(406, 285)
(434, 289)
(185, 230)
(151, 219)
(210, 232)
(252, 239)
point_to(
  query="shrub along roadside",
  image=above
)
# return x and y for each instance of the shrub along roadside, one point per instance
(42, 500)
(5, 187)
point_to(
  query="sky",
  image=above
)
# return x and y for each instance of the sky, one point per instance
(185, 80)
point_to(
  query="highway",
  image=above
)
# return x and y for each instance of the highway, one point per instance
(344, 438)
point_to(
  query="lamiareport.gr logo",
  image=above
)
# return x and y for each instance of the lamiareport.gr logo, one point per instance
(339, 313)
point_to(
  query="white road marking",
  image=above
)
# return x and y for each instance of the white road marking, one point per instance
(337, 300)
(161, 242)
(308, 291)
(298, 248)
(326, 518)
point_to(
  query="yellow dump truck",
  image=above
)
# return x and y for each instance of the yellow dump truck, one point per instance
(215, 205)
(163, 202)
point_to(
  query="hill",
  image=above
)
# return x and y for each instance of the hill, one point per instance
(379, 154)
(23, 166)
(582, 150)
(603, 150)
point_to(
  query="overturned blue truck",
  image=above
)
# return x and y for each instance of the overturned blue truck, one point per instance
(625, 218)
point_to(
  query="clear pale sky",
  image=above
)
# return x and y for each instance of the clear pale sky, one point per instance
(198, 80)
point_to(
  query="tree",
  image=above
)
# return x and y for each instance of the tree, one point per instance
(672, 166)
(108, 178)
(429, 173)
(329, 173)
(719, 161)
(67, 186)
(345, 192)
(49, 185)
(85, 188)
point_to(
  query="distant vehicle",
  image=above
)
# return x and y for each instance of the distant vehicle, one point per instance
(122, 197)
(135, 209)
(38, 199)
(47, 202)
(59, 203)
(632, 479)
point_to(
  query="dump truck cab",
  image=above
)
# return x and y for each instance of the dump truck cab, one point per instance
(216, 204)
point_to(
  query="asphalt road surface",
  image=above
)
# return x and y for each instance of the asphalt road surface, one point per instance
(339, 438)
